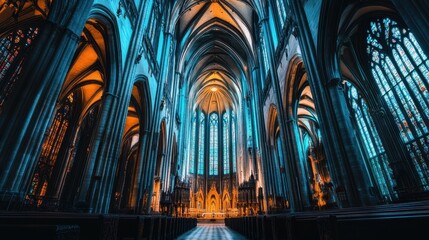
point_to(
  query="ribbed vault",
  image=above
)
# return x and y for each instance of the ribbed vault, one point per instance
(216, 50)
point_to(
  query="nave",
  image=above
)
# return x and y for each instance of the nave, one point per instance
(211, 231)
(138, 118)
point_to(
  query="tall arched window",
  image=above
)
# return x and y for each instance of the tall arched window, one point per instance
(233, 142)
(12, 54)
(201, 145)
(225, 143)
(369, 139)
(213, 161)
(400, 69)
(281, 10)
(264, 56)
(51, 147)
(193, 144)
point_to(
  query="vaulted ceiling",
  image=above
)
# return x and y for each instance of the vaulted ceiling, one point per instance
(216, 51)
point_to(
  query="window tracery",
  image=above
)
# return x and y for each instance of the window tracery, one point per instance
(401, 70)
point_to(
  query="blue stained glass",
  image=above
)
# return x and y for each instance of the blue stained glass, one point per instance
(417, 160)
(265, 56)
(376, 56)
(12, 49)
(201, 145)
(409, 100)
(398, 60)
(396, 33)
(409, 106)
(363, 130)
(376, 157)
(225, 144)
(193, 145)
(386, 23)
(378, 81)
(373, 27)
(233, 142)
(421, 93)
(417, 45)
(384, 83)
(281, 9)
(425, 73)
(405, 58)
(396, 77)
(214, 145)
(412, 50)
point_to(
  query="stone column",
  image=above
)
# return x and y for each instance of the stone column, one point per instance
(28, 111)
(343, 156)
(168, 49)
(264, 148)
(99, 178)
(291, 159)
(301, 175)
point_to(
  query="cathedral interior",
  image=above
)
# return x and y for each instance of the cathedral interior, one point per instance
(282, 119)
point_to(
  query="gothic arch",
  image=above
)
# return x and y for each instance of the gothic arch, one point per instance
(294, 83)
(272, 124)
(20, 27)
(226, 201)
(130, 163)
(158, 187)
(143, 83)
(277, 193)
(112, 36)
(358, 64)
(71, 137)
(337, 24)
(161, 148)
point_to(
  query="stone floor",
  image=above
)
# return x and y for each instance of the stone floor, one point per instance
(211, 231)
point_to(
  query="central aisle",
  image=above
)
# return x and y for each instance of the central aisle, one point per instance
(211, 231)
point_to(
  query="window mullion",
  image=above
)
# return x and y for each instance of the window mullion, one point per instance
(410, 93)
(401, 109)
(379, 153)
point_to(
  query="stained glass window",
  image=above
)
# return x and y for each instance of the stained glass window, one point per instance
(201, 145)
(225, 143)
(281, 9)
(249, 126)
(265, 56)
(370, 141)
(51, 147)
(193, 144)
(213, 161)
(12, 50)
(401, 71)
(233, 142)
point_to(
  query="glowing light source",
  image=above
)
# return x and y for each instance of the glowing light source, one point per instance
(214, 89)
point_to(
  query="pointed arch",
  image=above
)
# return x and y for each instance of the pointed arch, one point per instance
(69, 143)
